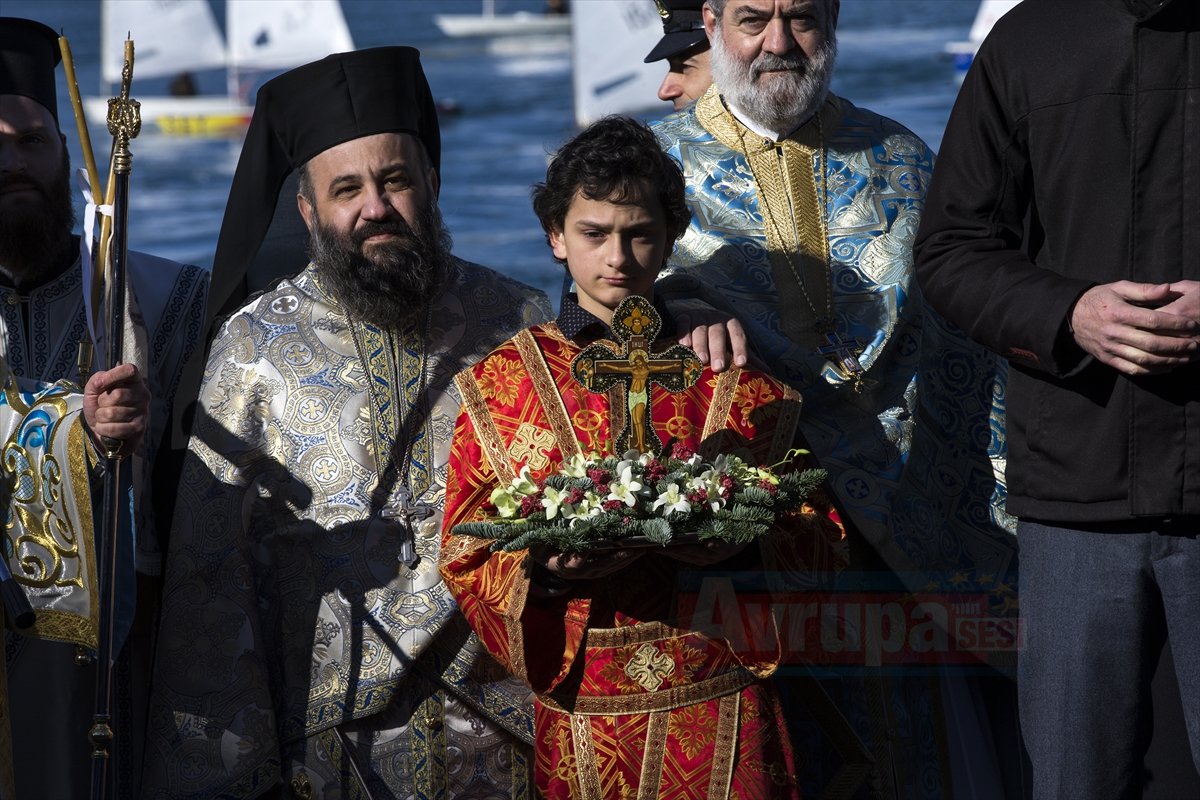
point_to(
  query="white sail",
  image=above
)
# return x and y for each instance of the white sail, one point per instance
(170, 36)
(608, 42)
(269, 34)
(985, 18)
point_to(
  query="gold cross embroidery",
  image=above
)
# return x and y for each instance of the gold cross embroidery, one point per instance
(532, 445)
(649, 667)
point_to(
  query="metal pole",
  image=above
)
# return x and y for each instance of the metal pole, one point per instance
(124, 123)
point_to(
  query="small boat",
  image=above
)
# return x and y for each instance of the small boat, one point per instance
(175, 39)
(964, 52)
(608, 44)
(490, 24)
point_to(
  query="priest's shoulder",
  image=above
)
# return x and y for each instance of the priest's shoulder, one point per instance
(286, 297)
(682, 125)
(164, 287)
(496, 295)
(861, 126)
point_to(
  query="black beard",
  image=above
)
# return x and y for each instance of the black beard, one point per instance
(397, 280)
(35, 240)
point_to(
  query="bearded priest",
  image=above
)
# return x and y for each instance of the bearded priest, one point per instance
(804, 209)
(308, 643)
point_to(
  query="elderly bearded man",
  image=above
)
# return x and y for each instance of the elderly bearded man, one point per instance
(307, 639)
(804, 208)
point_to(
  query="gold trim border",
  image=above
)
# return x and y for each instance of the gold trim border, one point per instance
(547, 391)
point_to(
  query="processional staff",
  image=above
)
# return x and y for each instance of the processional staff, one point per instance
(124, 123)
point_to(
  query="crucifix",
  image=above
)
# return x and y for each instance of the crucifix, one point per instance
(598, 367)
(844, 355)
(404, 511)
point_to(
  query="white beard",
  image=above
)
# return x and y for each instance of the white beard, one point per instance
(785, 100)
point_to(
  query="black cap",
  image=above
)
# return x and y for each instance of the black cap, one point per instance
(28, 55)
(683, 28)
(298, 115)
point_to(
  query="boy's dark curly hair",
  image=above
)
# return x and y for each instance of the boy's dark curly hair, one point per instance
(612, 159)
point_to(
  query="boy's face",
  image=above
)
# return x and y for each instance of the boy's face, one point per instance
(613, 251)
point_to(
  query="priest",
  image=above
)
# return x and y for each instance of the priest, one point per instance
(308, 644)
(804, 208)
(42, 322)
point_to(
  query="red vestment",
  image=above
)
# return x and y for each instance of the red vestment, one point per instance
(631, 701)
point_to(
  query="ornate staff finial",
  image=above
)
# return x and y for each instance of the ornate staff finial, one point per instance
(124, 117)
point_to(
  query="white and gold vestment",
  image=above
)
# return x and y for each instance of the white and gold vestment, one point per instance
(294, 643)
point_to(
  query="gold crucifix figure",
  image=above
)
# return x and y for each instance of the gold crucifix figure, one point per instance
(598, 367)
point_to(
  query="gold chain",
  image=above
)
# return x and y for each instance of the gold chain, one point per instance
(837, 350)
(822, 323)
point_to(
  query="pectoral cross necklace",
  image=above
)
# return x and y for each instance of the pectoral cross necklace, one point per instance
(402, 511)
(842, 353)
(403, 508)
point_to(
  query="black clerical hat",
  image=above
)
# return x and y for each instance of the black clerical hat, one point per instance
(683, 28)
(297, 115)
(28, 55)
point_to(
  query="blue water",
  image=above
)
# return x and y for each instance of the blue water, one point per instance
(516, 109)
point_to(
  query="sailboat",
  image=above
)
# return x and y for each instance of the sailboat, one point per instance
(964, 52)
(608, 42)
(489, 23)
(178, 37)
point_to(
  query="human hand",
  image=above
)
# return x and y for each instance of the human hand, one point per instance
(1139, 328)
(714, 333)
(703, 554)
(116, 406)
(1187, 301)
(583, 566)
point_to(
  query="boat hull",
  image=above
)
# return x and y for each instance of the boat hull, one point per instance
(182, 116)
(520, 24)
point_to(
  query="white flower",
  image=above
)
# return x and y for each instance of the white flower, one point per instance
(576, 466)
(523, 484)
(710, 482)
(506, 505)
(672, 500)
(589, 506)
(625, 488)
(553, 500)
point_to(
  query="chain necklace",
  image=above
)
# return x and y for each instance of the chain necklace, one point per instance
(842, 353)
(398, 515)
(403, 508)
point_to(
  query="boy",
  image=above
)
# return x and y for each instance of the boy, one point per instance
(630, 701)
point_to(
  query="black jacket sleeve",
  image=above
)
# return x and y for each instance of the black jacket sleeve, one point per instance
(980, 223)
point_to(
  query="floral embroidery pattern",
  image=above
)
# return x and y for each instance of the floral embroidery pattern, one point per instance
(692, 728)
(751, 395)
(498, 382)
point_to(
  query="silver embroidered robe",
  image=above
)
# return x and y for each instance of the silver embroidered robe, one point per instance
(294, 645)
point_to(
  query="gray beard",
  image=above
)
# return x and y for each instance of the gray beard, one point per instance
(789, 101)
(33, 242)
(398, 280)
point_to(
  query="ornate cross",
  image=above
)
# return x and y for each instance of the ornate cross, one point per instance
(844, 355)
(598, 367)
(406, 512)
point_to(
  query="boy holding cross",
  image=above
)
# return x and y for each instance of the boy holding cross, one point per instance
(631, 699)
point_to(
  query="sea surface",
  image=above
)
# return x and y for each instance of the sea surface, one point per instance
(515, 108)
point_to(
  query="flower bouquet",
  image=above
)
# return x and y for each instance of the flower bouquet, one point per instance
(598, 503)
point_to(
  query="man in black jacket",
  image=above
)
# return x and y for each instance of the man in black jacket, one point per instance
(1057, 233)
